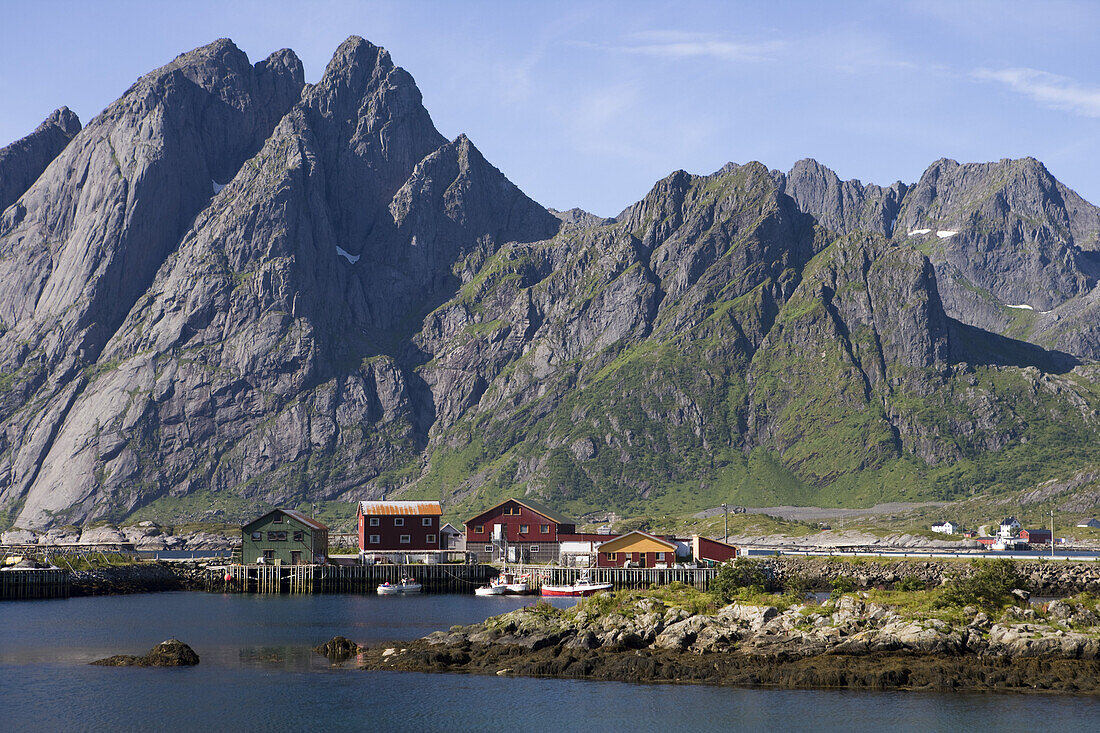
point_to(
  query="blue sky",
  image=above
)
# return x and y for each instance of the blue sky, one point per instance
(588, 104)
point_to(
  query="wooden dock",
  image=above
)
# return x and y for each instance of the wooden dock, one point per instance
(436, 578)
(442, 578)
(18, 584)
(620, 578)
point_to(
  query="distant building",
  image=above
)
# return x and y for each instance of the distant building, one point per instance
(398, 526)
(1035, 536)
(451, 538)
(1009, 528)
(517, 530)
(285, 536)
(636, 549)
(711, 552)
(945, 528)
(1092, 523)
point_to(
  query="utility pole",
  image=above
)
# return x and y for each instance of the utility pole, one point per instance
(1052, 533)
(726, 524)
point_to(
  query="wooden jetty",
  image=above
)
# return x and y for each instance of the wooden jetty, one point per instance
(17, 584)
(620, 578)
(436, 578)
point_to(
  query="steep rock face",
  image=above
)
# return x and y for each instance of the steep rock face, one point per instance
(22, 162)
(265, 345)
(84, 242)
(842, 206)
(1014, 249)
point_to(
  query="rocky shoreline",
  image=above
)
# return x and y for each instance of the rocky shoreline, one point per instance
(850, 642)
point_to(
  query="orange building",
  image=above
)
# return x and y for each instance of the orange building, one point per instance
(639, 549)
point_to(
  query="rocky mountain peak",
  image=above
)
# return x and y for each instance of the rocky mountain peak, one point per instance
(22, 162)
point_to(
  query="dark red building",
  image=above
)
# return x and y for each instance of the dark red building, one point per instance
(524, 530)
(1035, 536)
(711, 552)
(399, 526)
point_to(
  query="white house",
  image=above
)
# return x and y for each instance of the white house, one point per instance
(945, 528)
(1009, 528)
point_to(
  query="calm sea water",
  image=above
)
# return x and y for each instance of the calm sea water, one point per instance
(258, 674)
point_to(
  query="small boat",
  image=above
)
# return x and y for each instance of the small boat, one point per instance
(506, 584)
(407, 585)
(583, 587)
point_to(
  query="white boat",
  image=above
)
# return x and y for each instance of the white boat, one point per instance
(506, 583)
(491, 590)
(582, 587)
(407, 585)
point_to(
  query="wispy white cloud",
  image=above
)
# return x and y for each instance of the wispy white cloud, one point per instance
(1050, 90)
(691, 45)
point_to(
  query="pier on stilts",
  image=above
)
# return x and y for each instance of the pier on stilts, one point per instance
(619, 578)
(435, 578)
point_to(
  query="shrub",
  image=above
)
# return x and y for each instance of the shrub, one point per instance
(989, 587)
(740, 578)
(842, 584)
(909, 583)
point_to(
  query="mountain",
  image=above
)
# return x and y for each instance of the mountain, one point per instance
(1015, 251)
(233, 289)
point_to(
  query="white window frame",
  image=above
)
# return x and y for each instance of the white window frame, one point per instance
(426, 522)
(430, 539)
(534, 548)
(488, 548)
(375, 521)
(375, 539)
(406, 539)
(399, 521)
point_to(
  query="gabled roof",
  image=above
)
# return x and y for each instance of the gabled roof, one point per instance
(1009, 520)
(534, 506)
(454, 529)
(295, 515)
(401, 508)
(308, 521)
(626, 539)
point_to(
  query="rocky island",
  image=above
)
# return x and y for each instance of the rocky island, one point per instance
(972, 634)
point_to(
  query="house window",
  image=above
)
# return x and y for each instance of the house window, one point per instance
(399, 521)
(406, 539)
(479, 529)
(426, 522)
(299, 536)
(375, 521)
(524, 529)
(375, 539)
(278, 519)
(269, 555)
(257, 536)
(488, 548)
(545, 529)
(430, 539)
(641, 558)
(276, 536)
(612, 556)
(660, 556)
(534, 548)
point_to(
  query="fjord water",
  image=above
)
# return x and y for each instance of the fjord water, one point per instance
(258, 673)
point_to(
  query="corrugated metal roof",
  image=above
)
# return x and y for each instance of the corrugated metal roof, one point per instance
(425, 508)
(308, 521)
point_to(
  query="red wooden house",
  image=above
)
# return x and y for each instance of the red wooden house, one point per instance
(711, 552)
(1035, 536)
(399, 526)
(522, 529)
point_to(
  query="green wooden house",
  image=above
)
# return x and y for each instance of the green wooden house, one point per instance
(284, 536)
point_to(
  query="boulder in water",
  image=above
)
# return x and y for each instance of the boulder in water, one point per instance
(338, 649)
(171, 653)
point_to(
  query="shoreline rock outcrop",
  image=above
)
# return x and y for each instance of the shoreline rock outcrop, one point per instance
(847, 642)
